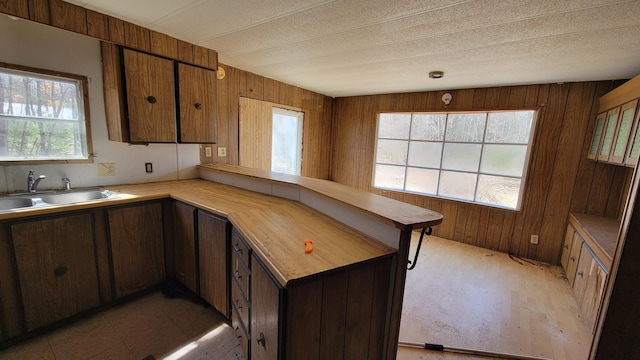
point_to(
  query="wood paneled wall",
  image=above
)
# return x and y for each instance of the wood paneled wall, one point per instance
(560, 179)
(317, 108)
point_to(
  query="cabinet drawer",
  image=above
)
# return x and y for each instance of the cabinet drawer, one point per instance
(240, 275)
(240, 303)
(240, 249)
(239, 328)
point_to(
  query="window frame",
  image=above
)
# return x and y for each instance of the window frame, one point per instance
(84, 83)
(525, 170)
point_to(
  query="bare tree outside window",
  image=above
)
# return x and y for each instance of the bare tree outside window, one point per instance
(42, 116)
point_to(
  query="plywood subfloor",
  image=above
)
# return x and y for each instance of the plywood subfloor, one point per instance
(468, 297)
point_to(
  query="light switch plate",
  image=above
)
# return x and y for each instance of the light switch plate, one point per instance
(207, 151)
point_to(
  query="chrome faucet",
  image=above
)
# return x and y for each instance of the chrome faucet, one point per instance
(32, 183)
(67, 184)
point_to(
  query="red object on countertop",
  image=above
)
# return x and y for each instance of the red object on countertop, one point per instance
(308, 246)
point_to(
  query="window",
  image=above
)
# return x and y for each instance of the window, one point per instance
(43, 116)
(478, 157)
(286, 141)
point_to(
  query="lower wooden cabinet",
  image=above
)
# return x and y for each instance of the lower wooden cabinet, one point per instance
(56, 265)
(586, 275)
(213, 253)
(137, 247)
(184, 245)
(337, 315)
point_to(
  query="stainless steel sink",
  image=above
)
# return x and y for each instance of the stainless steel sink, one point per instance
(9, 203)
(73, 197)
(50, 198)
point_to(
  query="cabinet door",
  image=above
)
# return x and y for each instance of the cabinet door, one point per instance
(582, 272)
(137, 247)
(596, 142)
(214, 257)
(265, 305)
(574, 255)
(633, 149)
(184, 238)
(619, 148)
(609, 133)
(150, 97)
(57, 268)
(566, 248)
(198, 113)
(593, 293)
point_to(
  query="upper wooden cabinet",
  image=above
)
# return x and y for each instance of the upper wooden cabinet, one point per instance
(615, 137)
(143, 104)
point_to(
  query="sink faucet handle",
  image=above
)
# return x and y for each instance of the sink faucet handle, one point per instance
(67, 183)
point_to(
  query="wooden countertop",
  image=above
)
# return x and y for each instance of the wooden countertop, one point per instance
(274, 227)
(401, 215)
(600, 233)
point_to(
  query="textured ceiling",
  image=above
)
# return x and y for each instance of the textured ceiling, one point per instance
(356, 47)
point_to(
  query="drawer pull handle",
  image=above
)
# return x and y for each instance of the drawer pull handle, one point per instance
(238, 306)
(238, 276)
(261, 340)
(581, 273)
(237, 248)
(573, 258)
(566, 246)
(60, 270)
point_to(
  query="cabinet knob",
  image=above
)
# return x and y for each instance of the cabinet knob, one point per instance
(237, 248)
(151, 99)
(261, 339)
(581, 273)
(573, 258)
(60, 270)
(238, 276)
(198, 106)
(566, 246)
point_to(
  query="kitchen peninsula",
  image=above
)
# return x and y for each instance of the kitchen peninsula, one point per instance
(283, 302)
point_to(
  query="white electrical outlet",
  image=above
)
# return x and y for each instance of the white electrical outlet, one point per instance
(222, 151)
(207, 151)
(534, 239)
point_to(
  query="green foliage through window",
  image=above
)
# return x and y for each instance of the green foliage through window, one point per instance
(42, 117)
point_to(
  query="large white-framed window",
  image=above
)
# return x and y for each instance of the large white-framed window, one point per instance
(478, 157)
(43, 116)
(286, 141)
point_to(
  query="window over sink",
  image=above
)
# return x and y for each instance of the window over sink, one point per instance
(44, 116)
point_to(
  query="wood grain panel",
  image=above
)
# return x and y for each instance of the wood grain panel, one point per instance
(184, 245)
(164, 45)
(200, 56)
(149, 77)
(137, 247)
(213, 59)
(68, 16)
(565, 168)
(116, 30)
(265, 307)
(197, 86)
(185, 51)
(39, 11)
(97, 25)
(57, 268)
(233, 115)
(255, 131)
(213, 252)
(304, 320)
(136, 37)
(19, 8)
(334, 304)
(117, 126)
(381, 289)
(359, 305)
(11, 311)
(102, 255)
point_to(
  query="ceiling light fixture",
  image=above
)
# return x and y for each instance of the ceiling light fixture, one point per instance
(436, 74)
